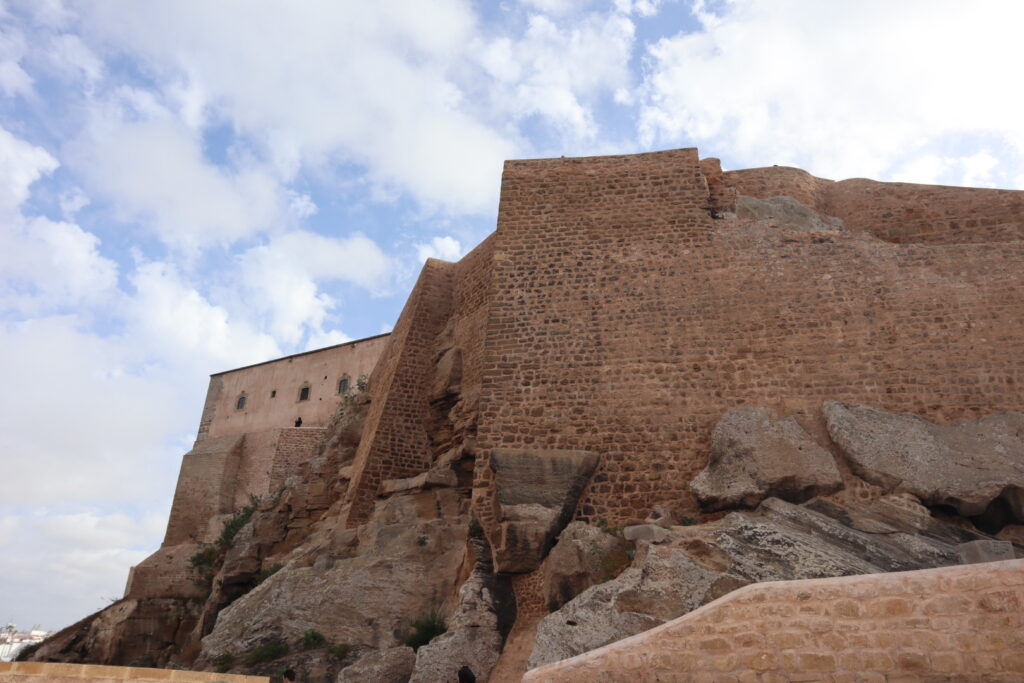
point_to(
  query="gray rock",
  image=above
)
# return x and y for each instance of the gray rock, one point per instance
(472, 639)
(537, 492)
(777, 541)
(966, 465)
(405, 565)
(755, 455)
(391, 665)
(787, 213)
(442, 476)
(583, 557)
(645, 532)
(975, 552)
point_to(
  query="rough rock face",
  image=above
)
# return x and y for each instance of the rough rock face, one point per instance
(755, 455)
(364, 591)
(584, 556)
(391, 665)
(537, 491)
(786, 211)
(968, 465)
(778, 541)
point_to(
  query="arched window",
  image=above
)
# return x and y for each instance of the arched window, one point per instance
(304, 393)
(343, 385)
(240, 402)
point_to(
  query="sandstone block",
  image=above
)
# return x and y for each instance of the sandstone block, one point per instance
(755, 455)
(974, 552)
(537, 491)
(645, 532)
(583, 556)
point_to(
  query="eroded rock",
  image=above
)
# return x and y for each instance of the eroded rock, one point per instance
(583, 556)
(405, 565)
(390, 665)
(777, 541)
(755, 455)
(536, 491)
(787, 212)
(970, 465)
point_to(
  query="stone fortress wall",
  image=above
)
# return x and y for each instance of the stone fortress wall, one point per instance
(623, 314)
(250, 450)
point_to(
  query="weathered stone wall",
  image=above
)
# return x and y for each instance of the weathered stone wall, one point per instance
(272, 389)
(38, 672)
(625, 321)
(955, 623)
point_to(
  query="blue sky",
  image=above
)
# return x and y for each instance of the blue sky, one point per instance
(188, 186)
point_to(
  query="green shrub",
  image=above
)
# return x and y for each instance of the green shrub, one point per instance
(223, 662)
(234, 524)
(312, 638)
(264, 574)
(425, 630)
(339, 651)
(688, 521)
(267, 651)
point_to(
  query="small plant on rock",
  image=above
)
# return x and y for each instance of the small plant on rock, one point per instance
(425, 630)
(340, 651)
(266, 651)
(223, 662)
(312, 638)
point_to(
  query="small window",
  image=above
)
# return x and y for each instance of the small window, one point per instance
(304, 394)
(343, 385)
(240, 403)
(273, 393)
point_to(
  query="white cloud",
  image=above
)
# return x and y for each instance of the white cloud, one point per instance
(362, 83)
(446, 248)
(21, 164)
(13, 78)
(842, 89)
(284, 277)
(154, 172)
(557, 72)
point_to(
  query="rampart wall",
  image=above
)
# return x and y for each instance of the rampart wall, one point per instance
(954, 623)
(626, 320)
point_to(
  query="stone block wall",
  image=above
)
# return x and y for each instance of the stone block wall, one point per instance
(625, 320)
(955, 623)
(39, 672)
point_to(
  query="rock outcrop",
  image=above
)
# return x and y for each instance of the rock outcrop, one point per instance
(403, 566)
(537, 491)
(583, 557)
(787, 212)
(755, 455)
(390, 665)
(777, 541)
(969, 466)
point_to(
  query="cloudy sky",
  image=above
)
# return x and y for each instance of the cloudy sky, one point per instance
(188, 186)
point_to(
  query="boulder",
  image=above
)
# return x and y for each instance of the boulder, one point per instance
(787, 212)
(536, 494)
(652, 533)
(390, 665)
(777, 541)
(583, 557)
(755, 455)
(970, 465)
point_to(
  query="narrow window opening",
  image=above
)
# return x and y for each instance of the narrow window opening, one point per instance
(240, 403)
(343, 385)
(304, 394)
(273, 393)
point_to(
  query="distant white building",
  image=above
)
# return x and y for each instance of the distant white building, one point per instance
(12, 641)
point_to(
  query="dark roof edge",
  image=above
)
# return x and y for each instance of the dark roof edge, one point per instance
(304, 353)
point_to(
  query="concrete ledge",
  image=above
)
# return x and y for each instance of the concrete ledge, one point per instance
(37, 672)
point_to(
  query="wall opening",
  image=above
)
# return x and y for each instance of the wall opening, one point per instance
(304, 394)
(240, 402)
(343, 385)
(273, 393)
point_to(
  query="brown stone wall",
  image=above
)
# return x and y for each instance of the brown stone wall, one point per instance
(206, 487)
(895, 212)
(38, 672)
(294, 447)
(626, 321)
(954, 623)
(395, 442)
